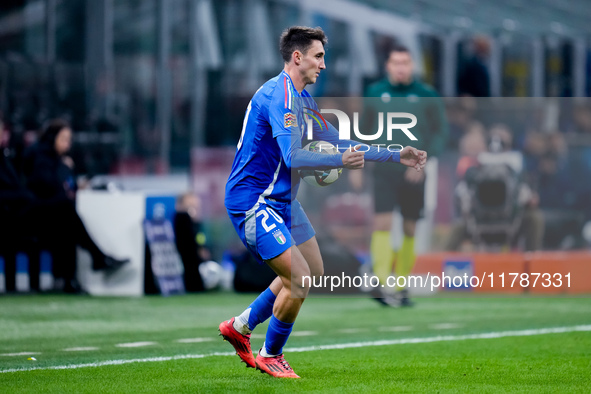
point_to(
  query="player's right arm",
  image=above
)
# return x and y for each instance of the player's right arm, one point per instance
(287, 133)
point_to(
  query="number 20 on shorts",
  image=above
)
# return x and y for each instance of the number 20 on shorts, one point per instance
(265, 214)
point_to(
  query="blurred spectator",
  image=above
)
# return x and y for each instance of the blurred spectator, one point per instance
(50, 176)
(190, 240)
(581, 118)
(17, 217)
(48, 169)
(474, 77)
(501, 138)
(530, 218)
(14, 197)
(547, 166)
(471, 145)
(563, 197)
(460, 116)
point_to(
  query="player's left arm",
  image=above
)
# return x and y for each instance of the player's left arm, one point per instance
(372, 153)
(297, 158)
(408, 156)
(413, 158)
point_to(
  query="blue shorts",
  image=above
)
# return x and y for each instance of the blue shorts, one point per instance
(270, 228)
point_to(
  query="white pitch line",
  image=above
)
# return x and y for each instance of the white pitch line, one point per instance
(353, 330)
(486, 335)
(257, 336)
(445, 326)
(135, 344)
(20, 354)
(121, 362)
(303, 333)
(81, 349)
(194, 340)
(440, 338)
(395, 328)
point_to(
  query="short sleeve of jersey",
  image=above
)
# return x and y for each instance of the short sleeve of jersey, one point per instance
(281, 117)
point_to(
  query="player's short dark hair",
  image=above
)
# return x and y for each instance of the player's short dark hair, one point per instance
(299, 38)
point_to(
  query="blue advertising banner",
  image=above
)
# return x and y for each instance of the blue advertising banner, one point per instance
(457, 274)
(165, 261)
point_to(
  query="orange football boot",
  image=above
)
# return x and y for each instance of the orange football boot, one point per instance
(240, 342)
(276, 366)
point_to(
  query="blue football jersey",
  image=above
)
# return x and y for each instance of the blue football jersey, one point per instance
(258, 171)
(262, 168)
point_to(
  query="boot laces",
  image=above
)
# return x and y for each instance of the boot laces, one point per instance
(284, 363)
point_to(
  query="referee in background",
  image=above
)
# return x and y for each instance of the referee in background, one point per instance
(397, 186)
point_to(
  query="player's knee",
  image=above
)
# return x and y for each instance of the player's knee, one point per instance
(301, 287)
(300, 284)
(317, 272)
(302, 281)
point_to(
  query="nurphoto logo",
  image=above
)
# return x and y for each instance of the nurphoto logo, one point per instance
(344, 126)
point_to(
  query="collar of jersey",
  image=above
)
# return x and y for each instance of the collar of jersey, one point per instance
(293, 89)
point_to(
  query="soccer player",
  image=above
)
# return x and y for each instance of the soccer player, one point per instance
(261, 191)
(395, 186)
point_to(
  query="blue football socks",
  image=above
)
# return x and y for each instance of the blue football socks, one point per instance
(277, 335)
(257, 312)
(261, 308)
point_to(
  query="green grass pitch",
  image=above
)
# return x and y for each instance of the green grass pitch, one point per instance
(452, 344)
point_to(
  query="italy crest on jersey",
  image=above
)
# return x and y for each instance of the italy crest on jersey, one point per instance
(279, 237)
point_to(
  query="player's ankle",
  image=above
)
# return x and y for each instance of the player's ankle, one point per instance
(240, 326)
(263, 352)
